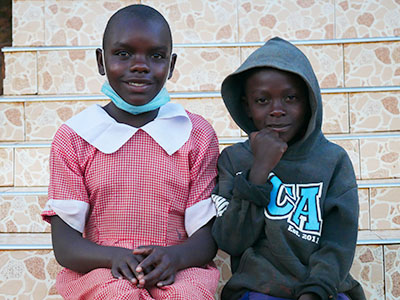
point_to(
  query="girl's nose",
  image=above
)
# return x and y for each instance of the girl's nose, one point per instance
(139, 64)
(277, 108)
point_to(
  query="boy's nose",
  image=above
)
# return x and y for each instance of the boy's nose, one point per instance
(139, 64)
(277, 109)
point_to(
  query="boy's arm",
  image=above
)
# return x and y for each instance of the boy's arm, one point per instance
(330, 264)
(81, 255)
(240, 208)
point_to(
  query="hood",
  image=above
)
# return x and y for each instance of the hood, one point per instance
(279, 54)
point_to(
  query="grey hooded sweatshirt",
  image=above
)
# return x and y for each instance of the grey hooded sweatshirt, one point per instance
(296, 233)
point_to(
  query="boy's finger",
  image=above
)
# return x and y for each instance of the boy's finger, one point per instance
(253, 135)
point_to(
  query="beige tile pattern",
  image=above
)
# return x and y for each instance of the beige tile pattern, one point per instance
(194, 21)
(20, 74)
(21, 214)
(28, 22)
(367, 18)
(352, 149)
(380, 158)
(335, 113)
(202, 69)
(385, 208)
(68, 72)
(364, 217)
(44, 118)
(260, 20)
(372, 64)
(32, 167)
(28, 275)
(11, 122)
(78, 22)
(215, 112)
(392, 271)
(374, 112)
(6, 166)
(327, 63)
(222, 261)
(368, 270)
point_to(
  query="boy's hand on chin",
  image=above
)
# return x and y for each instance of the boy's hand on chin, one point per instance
(268, 149)
(163, 262)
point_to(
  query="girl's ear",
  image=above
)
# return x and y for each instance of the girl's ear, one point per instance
(99, 59)
(172, 65)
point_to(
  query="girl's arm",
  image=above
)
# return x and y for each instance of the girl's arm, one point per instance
(81, 255)
(198, 250)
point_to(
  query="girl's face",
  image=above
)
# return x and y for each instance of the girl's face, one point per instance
(138, 59)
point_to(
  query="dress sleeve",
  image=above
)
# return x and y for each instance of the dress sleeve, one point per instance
(67, 194)
(240, 208)
(329, 266)
(203, 171)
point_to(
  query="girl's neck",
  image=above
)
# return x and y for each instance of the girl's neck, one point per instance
(124, 117)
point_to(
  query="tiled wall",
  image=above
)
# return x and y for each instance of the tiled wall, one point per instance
(42, 86)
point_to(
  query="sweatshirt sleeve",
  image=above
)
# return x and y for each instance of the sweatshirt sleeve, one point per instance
(330, 264)
(240, 208)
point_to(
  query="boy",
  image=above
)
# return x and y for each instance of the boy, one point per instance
(130, 182)
(286, 199)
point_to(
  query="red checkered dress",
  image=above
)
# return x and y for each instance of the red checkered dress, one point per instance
(136, 196)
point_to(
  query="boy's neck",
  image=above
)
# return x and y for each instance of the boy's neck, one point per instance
(124, 117)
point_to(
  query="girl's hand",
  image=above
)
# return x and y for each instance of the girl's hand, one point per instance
(268, 149)
(124, 265)
(164, 261)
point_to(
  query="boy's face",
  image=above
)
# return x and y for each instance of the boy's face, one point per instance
(138, 59)
(277, 100)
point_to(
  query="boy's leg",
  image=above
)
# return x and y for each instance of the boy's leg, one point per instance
(190, 284)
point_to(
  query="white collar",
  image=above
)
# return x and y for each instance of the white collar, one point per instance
(170, 129)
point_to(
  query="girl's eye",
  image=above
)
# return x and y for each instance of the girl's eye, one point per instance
(157, 56)
(123, 53)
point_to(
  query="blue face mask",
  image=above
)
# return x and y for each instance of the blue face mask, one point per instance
(159, 100)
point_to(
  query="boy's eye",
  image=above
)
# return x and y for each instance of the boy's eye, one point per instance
(290, 98)
(157, 56)
(262, 100)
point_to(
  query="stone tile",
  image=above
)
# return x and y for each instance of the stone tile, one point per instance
(335, 113)
(372, 64)
(372, 112)
(222, 261)
(202, 69)
(367, 18)
(392, 271)
(28, 274)
(364, 217)
(32, 167)
(68, 72)
(385, 208)
(20, 76)
(78, 22)
(380, 158)
(260, 20)
(44, 118)
(12, 122)
(368, 269)
(21, 214)
(215, 112)
(194, 21)
(326, 61)
(28, 22)
(352, 148)
(6, 166)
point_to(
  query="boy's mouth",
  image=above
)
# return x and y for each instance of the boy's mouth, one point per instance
(136, 84)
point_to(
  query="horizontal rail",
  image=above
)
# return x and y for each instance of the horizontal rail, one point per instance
(217, 45)
(184, 95)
